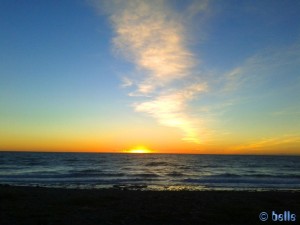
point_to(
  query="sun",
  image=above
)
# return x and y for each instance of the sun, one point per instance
(138, 150)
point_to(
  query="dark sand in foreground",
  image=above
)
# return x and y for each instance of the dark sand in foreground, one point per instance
(47, 206)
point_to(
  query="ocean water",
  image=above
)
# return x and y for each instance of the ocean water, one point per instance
(150, 171)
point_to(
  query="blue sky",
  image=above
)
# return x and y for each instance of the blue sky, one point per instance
(209, 76)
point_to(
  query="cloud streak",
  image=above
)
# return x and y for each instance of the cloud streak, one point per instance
(151, 35)
(262, 66)
(270, 142)
(169, 110)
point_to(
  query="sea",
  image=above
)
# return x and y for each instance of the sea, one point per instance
(161, 172)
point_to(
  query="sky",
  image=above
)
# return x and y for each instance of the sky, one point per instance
(194, 76)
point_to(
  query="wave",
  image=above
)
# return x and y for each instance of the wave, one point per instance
(185, 170)
(130, 186)
(278, 181)
(158, 164)
(61, 176)
(93, 172)
(176, 174)
(233, 175)
(144, 175)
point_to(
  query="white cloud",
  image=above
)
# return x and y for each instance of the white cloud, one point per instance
(152, 36)
(169, 109)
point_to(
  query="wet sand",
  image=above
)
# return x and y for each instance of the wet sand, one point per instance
(49, 206)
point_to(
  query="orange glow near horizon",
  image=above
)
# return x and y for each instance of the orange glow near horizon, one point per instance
(286, 145)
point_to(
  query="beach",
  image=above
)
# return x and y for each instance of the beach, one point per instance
(47, 206)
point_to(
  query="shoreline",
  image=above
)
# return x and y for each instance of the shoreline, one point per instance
(40, 205)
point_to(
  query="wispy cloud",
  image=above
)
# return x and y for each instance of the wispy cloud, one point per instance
(152, 36)
(169, 109)
(263, 66)
(126, 82)
(270, 142)
(289, 111)
(258, 78)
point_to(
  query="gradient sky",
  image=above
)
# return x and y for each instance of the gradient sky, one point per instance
(172, 76)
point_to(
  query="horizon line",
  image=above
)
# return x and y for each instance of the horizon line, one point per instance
(151, 153)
